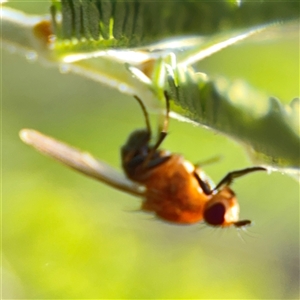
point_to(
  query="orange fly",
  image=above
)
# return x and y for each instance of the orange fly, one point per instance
(171, 187)
(176, 190)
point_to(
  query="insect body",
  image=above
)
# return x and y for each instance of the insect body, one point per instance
(176, 190)
(173, 188)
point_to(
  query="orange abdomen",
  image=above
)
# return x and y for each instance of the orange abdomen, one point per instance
(173, 192)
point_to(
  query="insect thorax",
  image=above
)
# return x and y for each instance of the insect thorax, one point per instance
(138, 156)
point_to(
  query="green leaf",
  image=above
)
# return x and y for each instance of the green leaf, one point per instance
(92, 25)
(268, 129)
(236, 109)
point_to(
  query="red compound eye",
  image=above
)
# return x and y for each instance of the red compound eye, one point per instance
(214, 215)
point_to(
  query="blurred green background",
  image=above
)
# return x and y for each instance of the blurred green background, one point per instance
(66, 236)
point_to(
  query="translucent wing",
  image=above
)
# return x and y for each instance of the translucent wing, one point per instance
(80, 161)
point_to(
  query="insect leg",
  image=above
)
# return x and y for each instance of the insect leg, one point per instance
(164, 131)
(227, 180)
(203, 184)
(145, 114)
(208, 161)
(204, 181)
